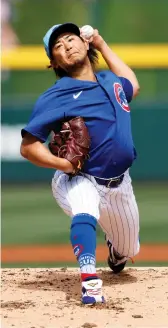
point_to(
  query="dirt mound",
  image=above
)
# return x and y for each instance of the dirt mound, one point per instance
(50, 298)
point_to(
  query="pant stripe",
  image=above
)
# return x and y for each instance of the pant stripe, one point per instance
(132, 221)
(122, 225)
(111, 224)
(127, 217)
(118, 235)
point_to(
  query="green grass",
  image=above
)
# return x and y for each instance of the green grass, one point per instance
(30, 215)
(152, 199)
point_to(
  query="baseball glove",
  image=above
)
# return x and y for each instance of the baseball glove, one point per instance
(72, 143)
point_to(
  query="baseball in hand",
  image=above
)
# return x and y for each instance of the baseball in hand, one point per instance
(86, 31)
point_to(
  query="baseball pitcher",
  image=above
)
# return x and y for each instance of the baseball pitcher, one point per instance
(91, 149)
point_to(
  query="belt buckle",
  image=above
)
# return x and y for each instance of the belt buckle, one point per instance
(112, 180)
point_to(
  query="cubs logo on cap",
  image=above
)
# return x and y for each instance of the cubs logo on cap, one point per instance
(120, 97)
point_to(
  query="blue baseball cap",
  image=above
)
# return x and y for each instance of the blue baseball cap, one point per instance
(55, 31)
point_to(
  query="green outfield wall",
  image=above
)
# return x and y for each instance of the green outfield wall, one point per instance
(131, 21)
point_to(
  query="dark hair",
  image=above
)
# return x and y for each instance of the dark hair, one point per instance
(93, 57)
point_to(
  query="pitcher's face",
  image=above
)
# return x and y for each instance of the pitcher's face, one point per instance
(69, 51)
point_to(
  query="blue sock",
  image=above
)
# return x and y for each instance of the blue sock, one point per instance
(83, 240)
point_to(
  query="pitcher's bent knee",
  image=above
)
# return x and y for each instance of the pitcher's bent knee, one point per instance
(134, 251)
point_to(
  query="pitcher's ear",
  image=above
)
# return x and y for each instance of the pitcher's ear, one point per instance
(53, 64)
(86, 43)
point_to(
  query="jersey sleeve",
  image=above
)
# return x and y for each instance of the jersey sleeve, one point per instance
(127, 87)
(41, 121)
(37, 130)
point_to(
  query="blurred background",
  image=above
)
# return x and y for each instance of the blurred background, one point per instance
(35, 232)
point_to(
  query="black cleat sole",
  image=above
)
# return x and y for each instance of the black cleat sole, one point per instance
(116, 268)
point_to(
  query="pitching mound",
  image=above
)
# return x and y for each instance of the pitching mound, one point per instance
(50, 298)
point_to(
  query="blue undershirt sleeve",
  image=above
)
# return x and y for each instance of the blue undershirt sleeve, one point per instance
(127, 87)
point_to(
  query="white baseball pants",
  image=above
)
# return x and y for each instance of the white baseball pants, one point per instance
(114, 208)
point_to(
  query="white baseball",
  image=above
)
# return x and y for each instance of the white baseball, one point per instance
(86, 31)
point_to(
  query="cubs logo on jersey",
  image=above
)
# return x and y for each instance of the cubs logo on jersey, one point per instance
(120, 97)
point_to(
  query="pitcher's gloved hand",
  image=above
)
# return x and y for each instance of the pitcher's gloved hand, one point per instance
(72, 143)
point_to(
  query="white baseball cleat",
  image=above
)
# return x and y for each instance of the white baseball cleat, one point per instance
(92, 292)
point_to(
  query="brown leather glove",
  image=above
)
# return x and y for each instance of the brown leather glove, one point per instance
(72, 143)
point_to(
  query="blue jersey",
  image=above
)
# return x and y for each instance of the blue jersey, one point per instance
(104, 107)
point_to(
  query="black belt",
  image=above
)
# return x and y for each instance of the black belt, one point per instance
(110, 183)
